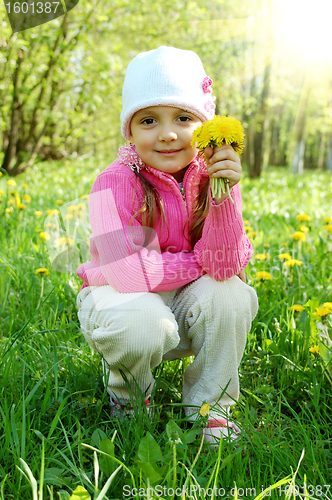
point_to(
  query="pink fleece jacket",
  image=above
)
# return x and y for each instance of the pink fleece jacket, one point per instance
(139, 259)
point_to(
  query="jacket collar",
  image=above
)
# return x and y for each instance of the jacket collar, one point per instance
(128, 156)
(198, 165)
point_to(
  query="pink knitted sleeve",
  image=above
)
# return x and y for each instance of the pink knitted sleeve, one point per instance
(224, 248)
(126, 257)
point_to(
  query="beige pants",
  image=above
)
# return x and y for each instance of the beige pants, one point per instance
(207, 319)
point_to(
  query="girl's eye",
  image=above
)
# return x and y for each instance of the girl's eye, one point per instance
(184, 118)
(147, 121)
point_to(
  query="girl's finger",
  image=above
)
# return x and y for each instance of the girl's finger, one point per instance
(225, 165)
(223, 153)
(208, 152)
(227, 174)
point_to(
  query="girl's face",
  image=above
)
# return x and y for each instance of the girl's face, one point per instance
(162, 137)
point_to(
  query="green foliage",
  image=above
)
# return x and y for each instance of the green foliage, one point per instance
(61, 82)
(57, 436)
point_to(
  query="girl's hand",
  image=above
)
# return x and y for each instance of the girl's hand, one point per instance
(242, 276)
(225, 163)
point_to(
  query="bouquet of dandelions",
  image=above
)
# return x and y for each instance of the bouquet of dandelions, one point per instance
(215, 133)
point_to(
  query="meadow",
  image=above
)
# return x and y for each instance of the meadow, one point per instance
(56, 433)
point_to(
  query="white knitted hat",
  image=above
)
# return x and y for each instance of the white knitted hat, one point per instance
(166, 77)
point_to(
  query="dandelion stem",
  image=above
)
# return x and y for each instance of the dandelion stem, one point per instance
(194, 462)
(229, 193)
(220, 181)
(223, 185)
(42, 291)
(174, 465)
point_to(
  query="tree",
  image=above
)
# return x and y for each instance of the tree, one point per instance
(299, 126)
(59, 75)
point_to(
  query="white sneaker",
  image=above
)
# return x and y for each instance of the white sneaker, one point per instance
(216, 429)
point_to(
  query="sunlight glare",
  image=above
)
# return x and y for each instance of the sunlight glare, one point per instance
(304, 29)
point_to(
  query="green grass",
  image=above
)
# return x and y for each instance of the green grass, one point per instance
(54, 419)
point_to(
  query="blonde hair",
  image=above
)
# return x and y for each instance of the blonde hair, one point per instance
(153, 202)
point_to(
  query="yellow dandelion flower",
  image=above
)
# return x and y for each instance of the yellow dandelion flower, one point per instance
(17, 198)
(52, 212)
(323, 311)
(328, 228)
(327, 219)
(262, 256)
(246, 223)
(314, 349)
(27, 198)
(297, 307)
(11, 182)
(42, 271)
(202, 137)
(11, 201)
(293, 262)
(266, 245)
(68, 216)
(247, 228)
(252, 234)
(38, 212)
(218, 131)
(304, 229)
(227, 130)
(303, 217)
(80, 213)
(1, 192)
(85, 196)
(72, 208)
(298, 236)
(205, 410)
(327, 305)
(65, 240)
(25, 186)
(284, 256)
(81, 206)
(48, 225)
(44, 236)
(21, 206)
(58, 202)
(193, 140)
(8, 210)
(263, 275)
(1, 174)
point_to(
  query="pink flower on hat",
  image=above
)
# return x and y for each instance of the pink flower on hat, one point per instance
(209, 106)
(207, 82)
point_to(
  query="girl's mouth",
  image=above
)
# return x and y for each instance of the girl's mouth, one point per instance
(169, 152)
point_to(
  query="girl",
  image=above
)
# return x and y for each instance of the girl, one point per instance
(152, 293)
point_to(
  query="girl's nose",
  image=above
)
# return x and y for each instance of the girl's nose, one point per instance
(167, 133)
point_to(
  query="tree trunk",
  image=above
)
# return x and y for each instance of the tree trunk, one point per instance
(15, 118)
(298, 157)
(277, 156)
(261, 125)
(329, 157)
(299, 126)
(258, 124)
(322, 151)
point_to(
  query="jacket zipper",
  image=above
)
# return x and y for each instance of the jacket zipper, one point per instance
(182, 192)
